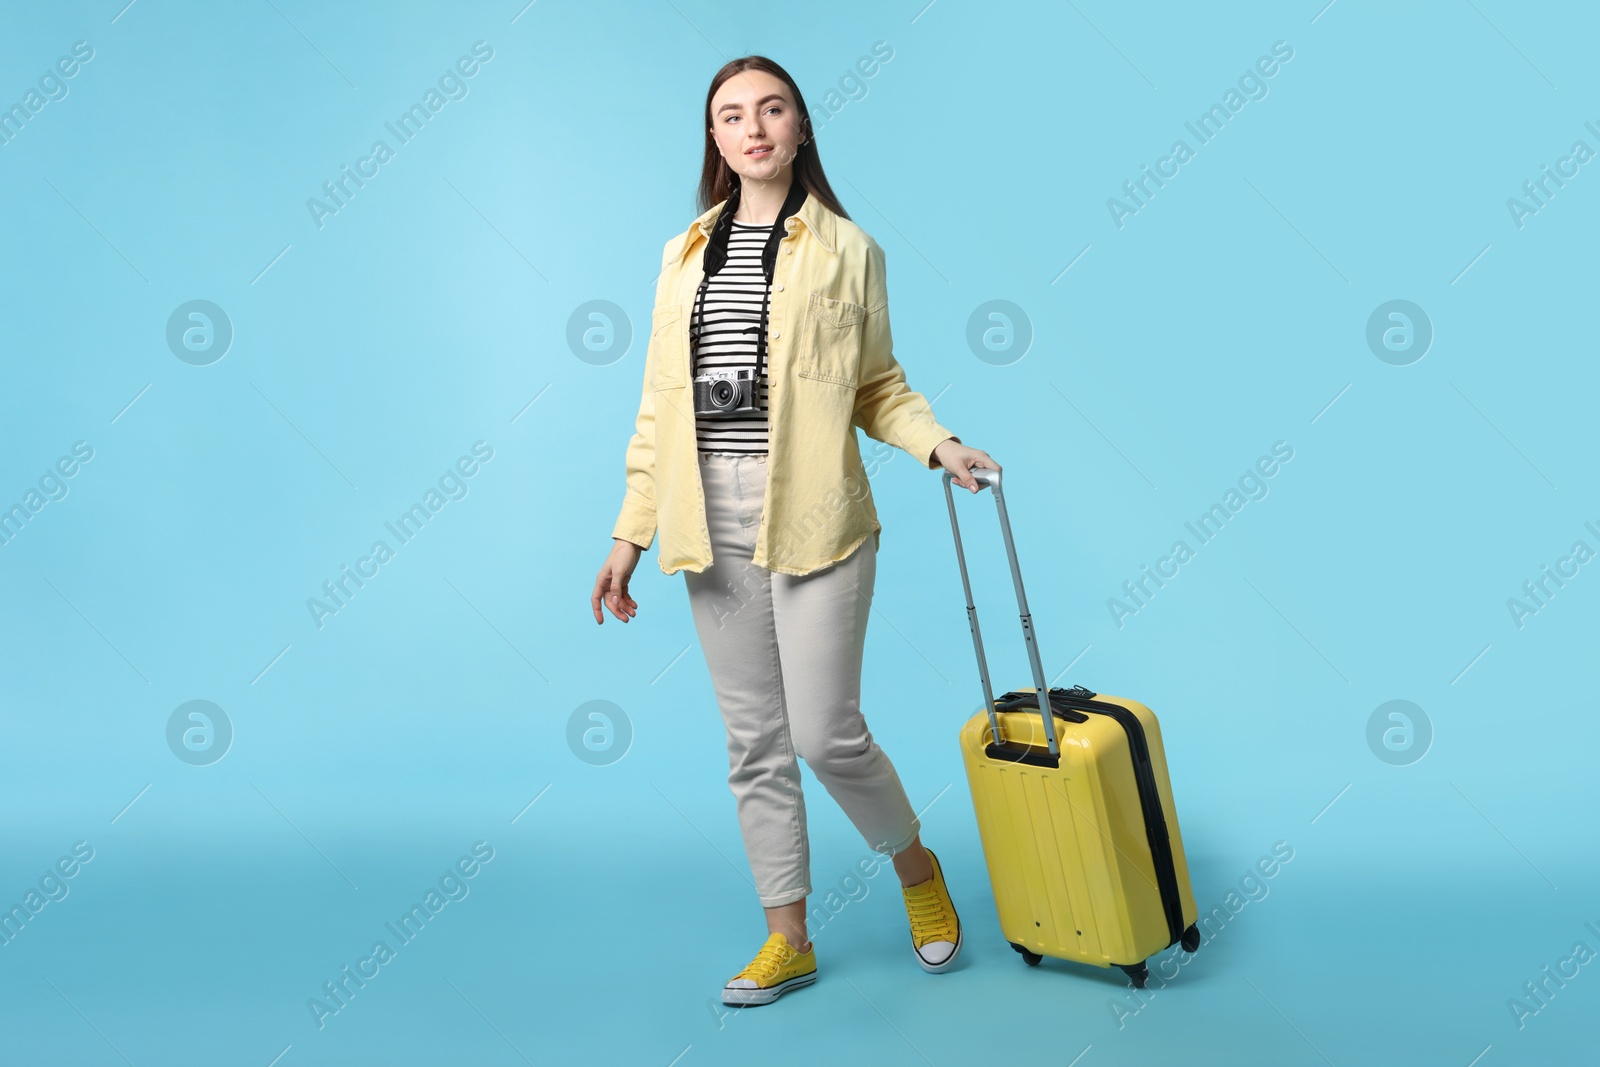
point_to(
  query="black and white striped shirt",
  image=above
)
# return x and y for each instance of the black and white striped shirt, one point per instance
(729, 333)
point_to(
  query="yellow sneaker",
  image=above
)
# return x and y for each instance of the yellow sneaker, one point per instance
(935, 926)
(776, 969)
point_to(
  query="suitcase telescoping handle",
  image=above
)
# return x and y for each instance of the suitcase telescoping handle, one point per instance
(986, 476)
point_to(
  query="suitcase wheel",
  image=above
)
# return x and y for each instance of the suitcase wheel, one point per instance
(1136, 974)
(1031, 958)
(1191, 938)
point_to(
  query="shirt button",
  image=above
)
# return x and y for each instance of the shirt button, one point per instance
(778, 286)
(790, 251)
(777, 333)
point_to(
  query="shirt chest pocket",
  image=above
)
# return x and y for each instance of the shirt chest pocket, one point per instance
(669, 347)
(828, 346)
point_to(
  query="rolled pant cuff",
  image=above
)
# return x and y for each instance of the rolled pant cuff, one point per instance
(778, 900)
(902, 846)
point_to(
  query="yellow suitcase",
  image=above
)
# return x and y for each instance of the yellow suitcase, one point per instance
(1074, 810)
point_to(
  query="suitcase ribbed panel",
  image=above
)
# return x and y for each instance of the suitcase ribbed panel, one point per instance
(1071, 863)
(1050, 864)
(1064, 857)
(1067, 861)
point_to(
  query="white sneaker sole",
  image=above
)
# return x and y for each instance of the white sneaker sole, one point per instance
(739, 997)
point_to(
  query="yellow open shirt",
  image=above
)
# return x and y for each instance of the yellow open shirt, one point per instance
(830, 368)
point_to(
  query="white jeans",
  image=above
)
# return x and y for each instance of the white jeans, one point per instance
(784, 653)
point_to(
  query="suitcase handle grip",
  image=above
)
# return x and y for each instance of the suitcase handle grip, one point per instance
(982, 475)
(990, 477)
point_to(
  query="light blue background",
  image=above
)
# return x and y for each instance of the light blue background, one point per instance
(433, 711)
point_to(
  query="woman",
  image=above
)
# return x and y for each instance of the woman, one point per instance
(758, 491)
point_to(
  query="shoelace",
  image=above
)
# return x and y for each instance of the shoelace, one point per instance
(767, 961)
(929, 918)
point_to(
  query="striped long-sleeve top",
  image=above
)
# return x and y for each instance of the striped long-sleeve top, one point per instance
(728, 337)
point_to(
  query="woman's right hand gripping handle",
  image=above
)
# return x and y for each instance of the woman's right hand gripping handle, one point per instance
(611, 586)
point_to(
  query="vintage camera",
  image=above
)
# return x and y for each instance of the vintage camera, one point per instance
(725, 394)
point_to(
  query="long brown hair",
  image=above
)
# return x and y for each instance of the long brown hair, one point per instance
(717, 178)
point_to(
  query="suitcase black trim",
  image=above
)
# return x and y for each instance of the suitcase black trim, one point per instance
(1063, 702)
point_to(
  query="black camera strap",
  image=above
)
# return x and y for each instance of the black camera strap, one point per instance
(716, 257)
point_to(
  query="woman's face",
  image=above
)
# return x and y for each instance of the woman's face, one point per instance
(754, 110)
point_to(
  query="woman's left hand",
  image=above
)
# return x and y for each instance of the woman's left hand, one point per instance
(958, 459)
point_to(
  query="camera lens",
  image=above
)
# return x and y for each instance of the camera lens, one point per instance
(722, 393)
